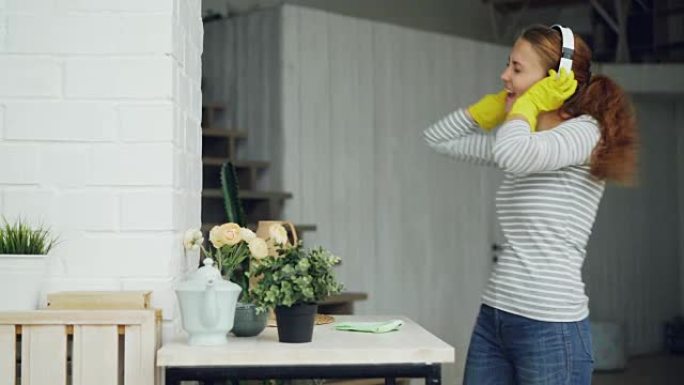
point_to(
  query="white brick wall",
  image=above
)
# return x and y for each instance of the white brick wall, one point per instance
(147, 123)
(3, 28)
(117, 33)
(61, 120)
(120, 5)
(91, 7)
(30, 76)
(139, 164)
(100, 109)
(2, 122)
(19, 163)
(121, 78)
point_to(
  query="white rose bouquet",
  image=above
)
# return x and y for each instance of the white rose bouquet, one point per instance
(232, 245)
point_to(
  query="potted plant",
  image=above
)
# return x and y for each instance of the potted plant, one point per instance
(250, 320)
(292, 282)
(232, 246)
(23, 263)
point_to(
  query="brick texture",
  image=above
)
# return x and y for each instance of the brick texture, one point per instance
(100, 137)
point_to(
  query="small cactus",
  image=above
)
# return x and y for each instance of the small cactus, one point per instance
(231, 201)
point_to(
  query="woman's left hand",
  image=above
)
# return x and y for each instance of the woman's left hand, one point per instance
(548, 94)
(551, 92)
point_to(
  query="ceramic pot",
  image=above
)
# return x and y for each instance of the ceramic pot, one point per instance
(248, 323)
(207, 303)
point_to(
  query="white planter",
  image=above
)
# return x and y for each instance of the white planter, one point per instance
(21, 280)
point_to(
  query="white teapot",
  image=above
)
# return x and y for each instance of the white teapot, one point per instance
(207, 303)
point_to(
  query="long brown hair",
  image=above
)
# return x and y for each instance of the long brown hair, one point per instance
(614, 157)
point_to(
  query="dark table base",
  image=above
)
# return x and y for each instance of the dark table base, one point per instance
(432, 373)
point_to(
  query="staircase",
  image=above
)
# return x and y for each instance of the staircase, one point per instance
(220, 144)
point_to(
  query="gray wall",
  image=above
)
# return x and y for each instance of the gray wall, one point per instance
(414, 228)
(411, 226)
(465, 18)
(356, 95)
(632, 269)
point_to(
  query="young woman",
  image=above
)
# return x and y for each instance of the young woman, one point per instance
(560, 137)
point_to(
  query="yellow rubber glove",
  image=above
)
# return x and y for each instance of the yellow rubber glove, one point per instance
(490, 111)
(545, 95)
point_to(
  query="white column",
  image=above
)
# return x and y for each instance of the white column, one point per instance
(100, 140)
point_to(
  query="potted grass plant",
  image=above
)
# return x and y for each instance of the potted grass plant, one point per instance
(23, 263)
(291, 283)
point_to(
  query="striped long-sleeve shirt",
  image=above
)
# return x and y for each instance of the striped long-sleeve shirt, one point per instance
(546, 206)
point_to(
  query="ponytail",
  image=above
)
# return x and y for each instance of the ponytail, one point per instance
(614, 157)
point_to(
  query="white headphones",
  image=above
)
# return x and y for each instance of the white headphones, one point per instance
(568, 47)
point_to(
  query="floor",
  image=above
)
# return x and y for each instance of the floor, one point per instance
(646, 370)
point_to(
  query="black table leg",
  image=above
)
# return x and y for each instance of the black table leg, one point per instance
(390, 381)
(171, 378)
(434, 376)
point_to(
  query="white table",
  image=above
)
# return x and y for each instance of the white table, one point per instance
(410, 352)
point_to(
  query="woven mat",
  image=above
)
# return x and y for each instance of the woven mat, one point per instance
(321, 319)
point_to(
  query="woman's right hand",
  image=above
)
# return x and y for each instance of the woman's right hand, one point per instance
(490, 111)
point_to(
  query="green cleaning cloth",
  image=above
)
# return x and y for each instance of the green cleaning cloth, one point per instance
(370, 327)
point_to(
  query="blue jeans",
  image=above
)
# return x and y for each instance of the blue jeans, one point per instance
(509, 349)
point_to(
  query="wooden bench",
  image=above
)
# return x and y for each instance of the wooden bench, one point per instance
(104, 347)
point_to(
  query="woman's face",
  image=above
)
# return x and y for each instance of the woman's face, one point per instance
(523, 69)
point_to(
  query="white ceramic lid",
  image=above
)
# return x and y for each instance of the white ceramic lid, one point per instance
(206, 275)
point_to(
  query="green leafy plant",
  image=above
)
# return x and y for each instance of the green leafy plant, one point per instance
(20, 238)
(296, 275)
